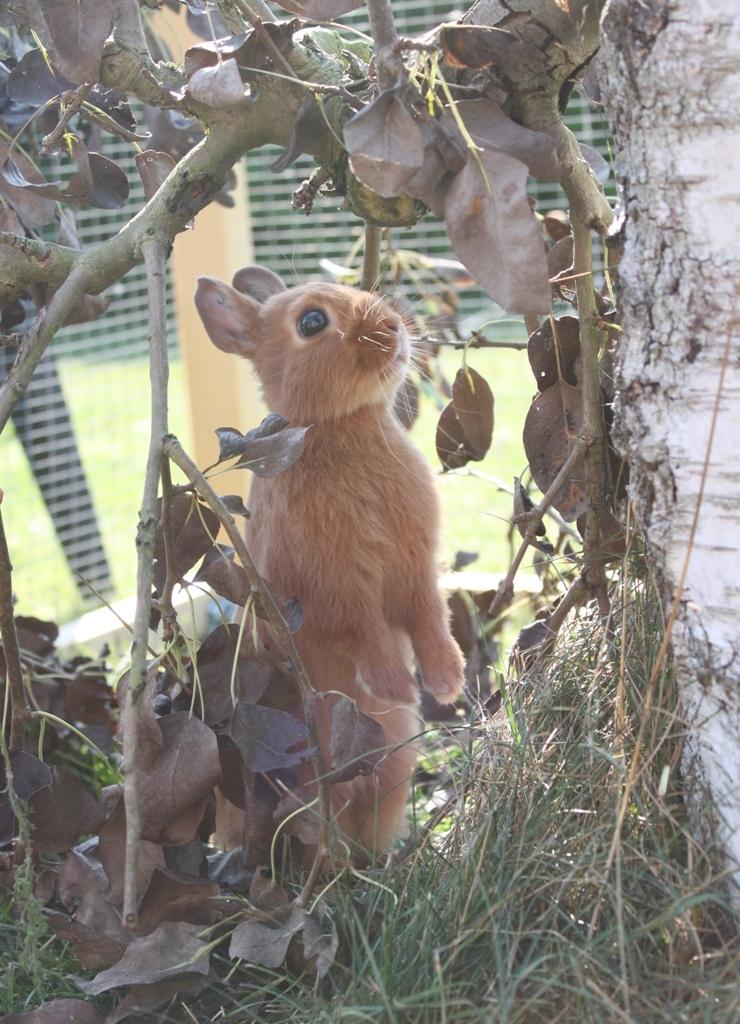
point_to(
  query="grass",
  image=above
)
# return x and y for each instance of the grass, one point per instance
(491, 918)
(506, 912)
(109, 405)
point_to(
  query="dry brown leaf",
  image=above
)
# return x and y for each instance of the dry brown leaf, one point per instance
(552, 424)
(174, 948)
(62, 812)
(357, 741)
(494, 232)
(553, 355)
(58, 1011)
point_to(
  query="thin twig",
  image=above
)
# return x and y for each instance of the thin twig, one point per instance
(20, 711)
(574, 596)
(501, 485)
(480, 341)
(155, 254)
(264, 37)
(371, 257)
(69, 102)
(387, 56)
(164, 602)
(505, 591)
(174, 451)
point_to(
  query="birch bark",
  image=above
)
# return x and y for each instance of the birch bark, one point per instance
(670, 80)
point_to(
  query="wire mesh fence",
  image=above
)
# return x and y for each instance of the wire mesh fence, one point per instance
(71, 461)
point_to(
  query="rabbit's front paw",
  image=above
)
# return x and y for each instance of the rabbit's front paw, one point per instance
(444, 678)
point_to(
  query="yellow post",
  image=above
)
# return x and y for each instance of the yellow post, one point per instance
(222, 390)
(221, 387)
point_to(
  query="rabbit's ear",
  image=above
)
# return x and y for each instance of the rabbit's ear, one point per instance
(231, 319)
(257, 282)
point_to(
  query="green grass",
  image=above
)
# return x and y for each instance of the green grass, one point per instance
(490, 919)
(507, 913)
(109, 405)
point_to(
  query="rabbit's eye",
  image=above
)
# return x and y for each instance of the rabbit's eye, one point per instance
(312, 322)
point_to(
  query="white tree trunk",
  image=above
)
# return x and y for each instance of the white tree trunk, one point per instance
(670, 79)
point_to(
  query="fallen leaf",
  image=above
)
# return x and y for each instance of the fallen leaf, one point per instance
(168, 898)
(229, 869)
(141, 999)
(173, 791)
(58, 1011)
(113, 855)
(319, 945)
(94, 950)
(188, 859)
(304, 826)
(83, 888)
(63, 811)
(174, 948)
(258, 943)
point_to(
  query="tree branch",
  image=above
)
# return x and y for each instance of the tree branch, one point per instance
(25, 259)
(174, 451)
(371, 257)
(20, 711)
(164, 602)
(387, 53)
(155, 253)
(505, 591)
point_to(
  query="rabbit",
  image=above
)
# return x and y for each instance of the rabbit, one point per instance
(351, 529)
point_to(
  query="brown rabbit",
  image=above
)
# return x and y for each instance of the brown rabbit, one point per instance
(351, 529)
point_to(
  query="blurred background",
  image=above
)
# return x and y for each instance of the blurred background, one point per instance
(71, 463)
